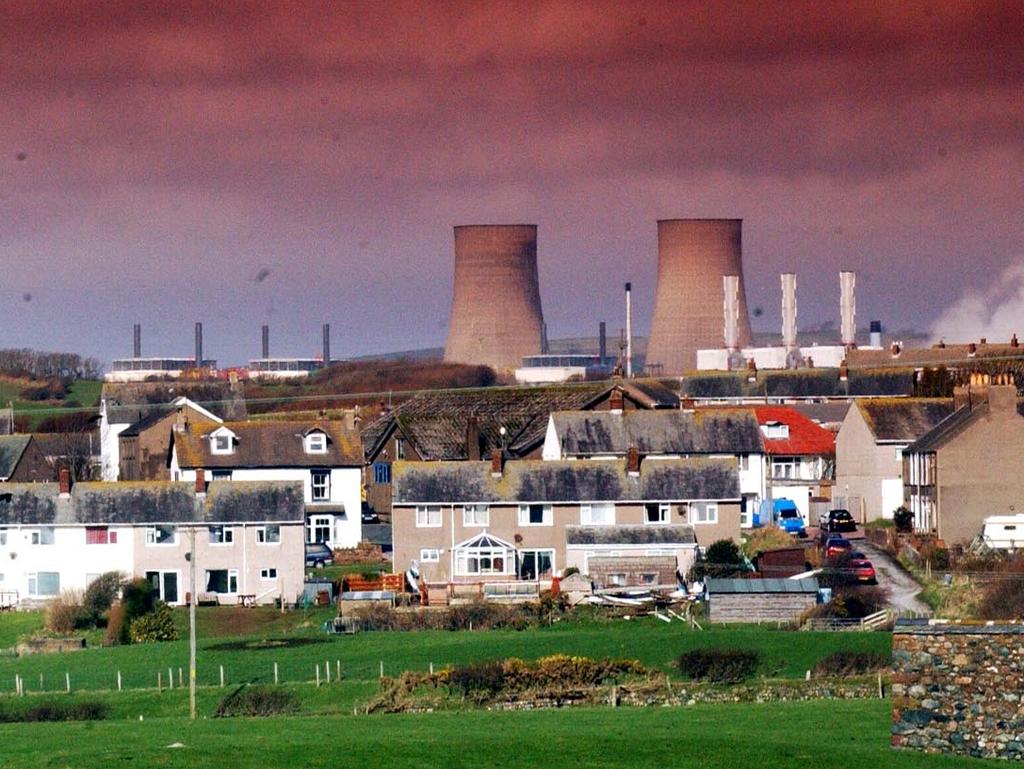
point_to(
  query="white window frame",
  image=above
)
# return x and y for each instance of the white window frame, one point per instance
(263, 531)
(588, 510)
(316, 443)
(3, 537)
(664, 514)
(424, 515)
(536, 551)
(465, 555)
(476, 515)
(216, 448)
(151, 536)
(39, 536)
(232, 577)
(268, 574)
(321, 522)
(161, 585)
(226, 536)
(33, 584)
(547, 514)
(320, 492)
(703, 513)
(430, 555)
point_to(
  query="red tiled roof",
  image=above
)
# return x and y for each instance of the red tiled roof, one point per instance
(805, 436)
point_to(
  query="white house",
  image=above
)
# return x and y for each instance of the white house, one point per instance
(249, 539)
(325, 456)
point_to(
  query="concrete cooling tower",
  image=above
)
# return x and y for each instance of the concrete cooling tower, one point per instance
(496, 317)
(693, 255)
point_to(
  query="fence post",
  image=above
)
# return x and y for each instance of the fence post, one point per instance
(41, 687)
(327, 671)
(221, 676)
(181, 681)
(170, 678)
(318, 674)
(275, 674)
(431, 668)
(337, 670)
(382, 668)
(67, 682)
(159, 681)
(119, 680)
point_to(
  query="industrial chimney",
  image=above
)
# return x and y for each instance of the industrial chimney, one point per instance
(848, 308)
(199, 345)
(327, 345)
(602, 341)
(137, 340)
(266, 342)
(789, 310)
(730, 289)
(876, 333)
(629, 331)
(496, 316)
(693, 256)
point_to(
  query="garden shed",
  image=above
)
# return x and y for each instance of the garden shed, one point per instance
(760, 600)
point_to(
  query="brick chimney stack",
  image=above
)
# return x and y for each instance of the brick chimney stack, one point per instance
(616, 402)
(497, 462)
(633, 461)
(200, 482)
(473, 438)
(1002, 395)
(64, 479)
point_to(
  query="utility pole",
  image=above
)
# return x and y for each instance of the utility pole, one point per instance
(192, 625)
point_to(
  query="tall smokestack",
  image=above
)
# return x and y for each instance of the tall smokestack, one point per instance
(199, 345)
(848, 308)
(693, 255)
(137, 340)
(496, 316)
(545, 348)
(876, 333)
(629, 331)
(731, 290)
(789, 310)
(327, 345)
(602, 341)
(266, 342)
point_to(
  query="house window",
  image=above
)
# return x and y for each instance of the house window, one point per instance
(399, 448)
(648, 578)
(430, 555)
(321, 485)
(43, 536)
(267, 574)
(222, 475)
(221, 443)
(320, 528)
(161, 535)
(316, 443)
(44, 584)
(381, 472)
(775, 430)
(597, 514)
(222, 581)
(616, 580)
(657, 512)
(785, 468)
(100, 535)
(536, 564)
(428, 516)
(476, 515)
(164, 585)
(268, 535)
(535, 515)
(221, 535)
(484, 555)
(744, 462)
(705, 512)
(3, 536)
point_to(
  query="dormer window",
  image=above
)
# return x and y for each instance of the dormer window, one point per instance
(775, 430)
(316, 443)
(222, 442)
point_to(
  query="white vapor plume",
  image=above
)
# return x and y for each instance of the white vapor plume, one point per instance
(995, 314)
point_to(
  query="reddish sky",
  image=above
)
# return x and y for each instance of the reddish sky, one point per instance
(156, 164)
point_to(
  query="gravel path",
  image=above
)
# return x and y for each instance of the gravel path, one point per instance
(903, 590)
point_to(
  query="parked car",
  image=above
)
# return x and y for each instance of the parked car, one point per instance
(835, 546)
(318, 555)
(864, 571)
(840, 520)
(791, 522)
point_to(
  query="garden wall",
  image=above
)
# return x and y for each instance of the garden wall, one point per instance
(957, 688)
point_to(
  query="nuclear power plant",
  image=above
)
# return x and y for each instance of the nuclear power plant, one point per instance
(693, 257)
(496, 316)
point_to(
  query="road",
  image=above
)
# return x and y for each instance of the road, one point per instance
(902, 588)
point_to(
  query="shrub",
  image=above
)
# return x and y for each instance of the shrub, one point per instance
(903, 519)
(117, 629)
(258, 701)
(851, 603)
(101, 594)
(138, 598)
(483, 677)
(158, 625)
(721, 559)
(54, 711)
(65, 613)
(765, 539)
(850, 663)
(722, 666)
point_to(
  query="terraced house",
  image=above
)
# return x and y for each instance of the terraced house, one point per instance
(528, 520)
(249, 542)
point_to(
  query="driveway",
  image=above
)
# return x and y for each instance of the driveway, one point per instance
(902, 588)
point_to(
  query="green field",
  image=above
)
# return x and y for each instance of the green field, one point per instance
(847, 734)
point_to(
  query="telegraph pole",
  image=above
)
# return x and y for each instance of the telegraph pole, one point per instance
(192, 626)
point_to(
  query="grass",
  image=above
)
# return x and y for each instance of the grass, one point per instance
(14, 624)
(852, 735)
(334, 572)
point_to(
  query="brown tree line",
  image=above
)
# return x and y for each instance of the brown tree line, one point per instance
(39, 364)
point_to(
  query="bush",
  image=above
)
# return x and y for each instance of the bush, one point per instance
(138, 598)
(64, 613)
(850, 663)
(258, 701)
(765, 539)
(478, 615)
(54, 711)
(556, 672)
(721, 559)
(903, 519)
(158, 625)
(720, 666)
(101, 594)
(1003, 599)
(117, 629)
(483, 677)
(851, 603)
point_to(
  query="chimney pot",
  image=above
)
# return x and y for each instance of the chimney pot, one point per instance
(984, 340)
(64, 478)
(1014, 342)
(972, 348)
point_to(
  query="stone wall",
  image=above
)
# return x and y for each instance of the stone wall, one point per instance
(957, 688)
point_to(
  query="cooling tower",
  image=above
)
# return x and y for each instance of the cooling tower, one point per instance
(693, 257)
(496, 317)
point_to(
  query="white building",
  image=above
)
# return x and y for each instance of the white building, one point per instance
(324, 456)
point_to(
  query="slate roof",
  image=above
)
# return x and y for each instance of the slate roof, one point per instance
(150, 502)
(949, 355)
(435, 423)
(721, 586)
(675, 534)
(903, 419)
(270, 443)
(950, 427)
(831, 413)
(531, 480)
(11, 449)
(703, 431)
(805, 437)
(129, 402)
(146, 422)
